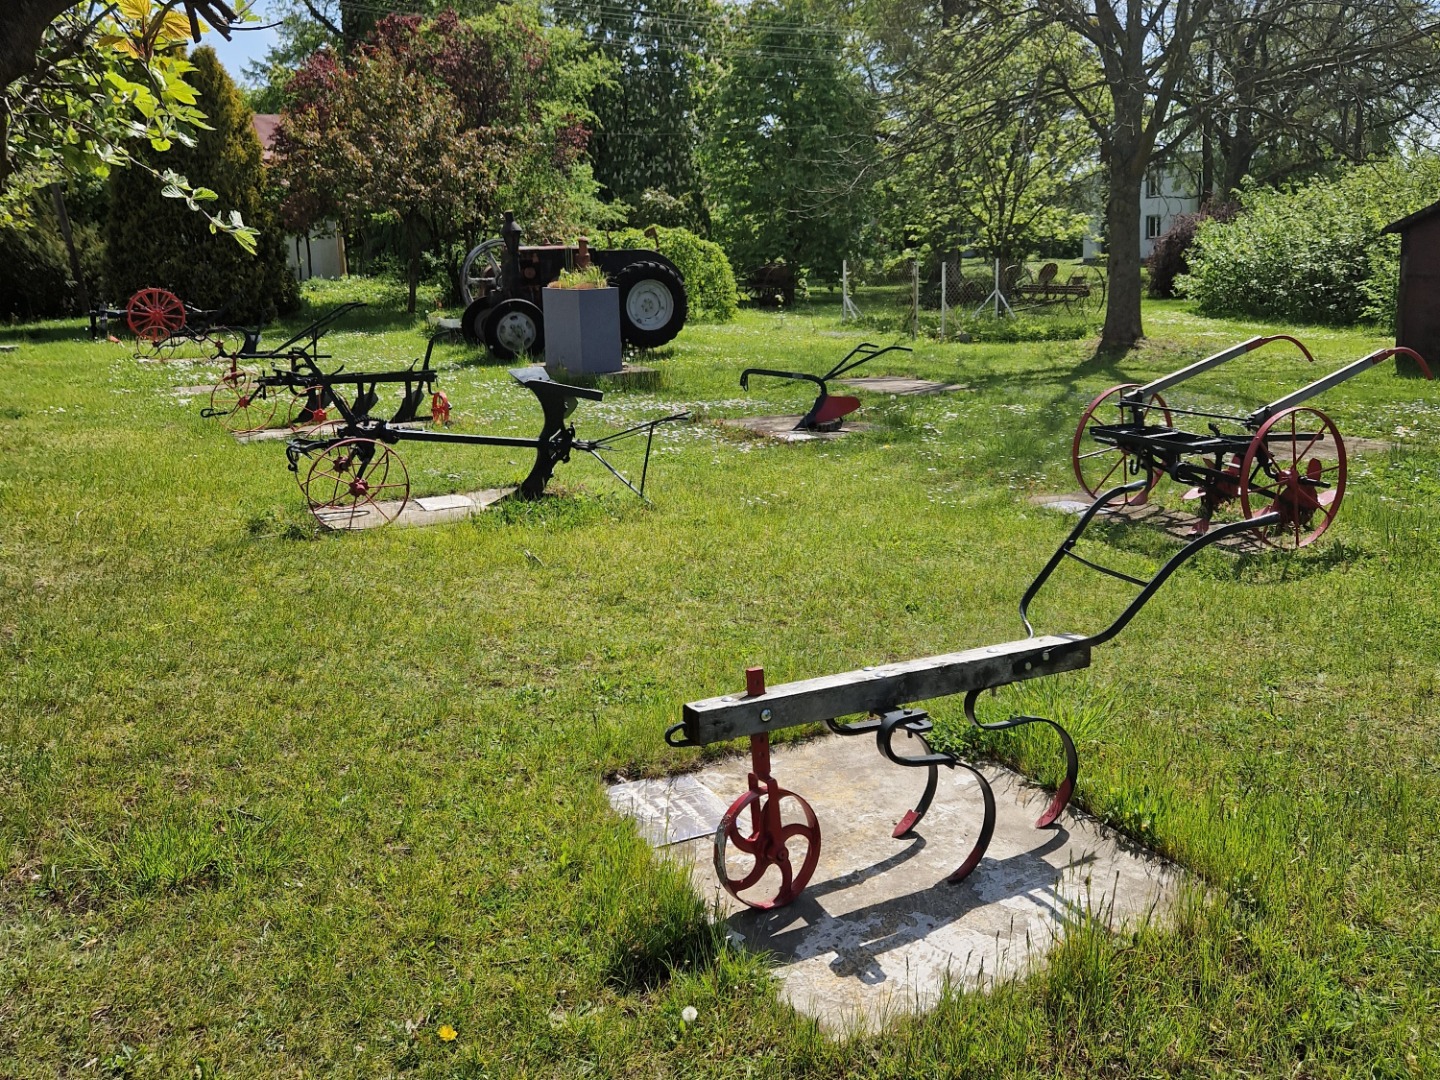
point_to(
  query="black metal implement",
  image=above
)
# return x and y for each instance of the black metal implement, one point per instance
(247, 398)
(828, 411)
(301, 344)
(768, 873)
(310, 394)
(1284, 457)
(353, 471)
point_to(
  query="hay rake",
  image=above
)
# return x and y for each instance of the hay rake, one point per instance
(1288, 458)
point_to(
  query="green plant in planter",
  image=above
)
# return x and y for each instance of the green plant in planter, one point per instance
(592, 277)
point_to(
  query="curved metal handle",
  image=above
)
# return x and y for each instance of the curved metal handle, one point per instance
(682, 741)
(805, 376)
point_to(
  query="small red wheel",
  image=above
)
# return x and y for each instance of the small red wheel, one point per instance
(356, 482)
(240, 404)
(1099, 466)
(155, 314)
(440, 408)
(223, 342)
(766, 847)
(1295, 465)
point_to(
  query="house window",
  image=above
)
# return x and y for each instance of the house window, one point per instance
(1152, 226)
(1152, 185)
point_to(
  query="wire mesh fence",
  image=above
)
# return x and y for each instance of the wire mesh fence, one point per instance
(942, 296)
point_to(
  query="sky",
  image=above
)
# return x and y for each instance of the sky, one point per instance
(247, 45)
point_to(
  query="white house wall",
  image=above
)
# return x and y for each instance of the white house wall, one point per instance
(321, 255)
(1173, 196)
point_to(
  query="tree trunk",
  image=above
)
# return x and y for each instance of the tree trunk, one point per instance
(1122, 232)
(412, 236)
(57, 192)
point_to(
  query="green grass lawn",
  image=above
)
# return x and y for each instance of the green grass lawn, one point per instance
(276, 802)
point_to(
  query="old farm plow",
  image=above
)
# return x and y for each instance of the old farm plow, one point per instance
(353, 477)
(1285, 459)
(828, 411)
(767, 844)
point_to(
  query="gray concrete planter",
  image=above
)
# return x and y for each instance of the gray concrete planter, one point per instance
(582, 330)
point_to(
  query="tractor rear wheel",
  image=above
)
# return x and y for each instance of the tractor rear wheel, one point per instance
(472, 323)
(653, 304)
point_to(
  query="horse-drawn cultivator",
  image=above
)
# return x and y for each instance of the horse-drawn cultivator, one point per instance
(765, 862)
(353, 476)
(828, 411)
(1287, 460)
(248, 399)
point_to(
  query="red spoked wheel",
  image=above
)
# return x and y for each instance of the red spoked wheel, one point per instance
(1295, 466)
(756, 866)
(154, 315)
(223, 342)
(239, 404)
(440, 408)
(1099, 466)
(356, 483)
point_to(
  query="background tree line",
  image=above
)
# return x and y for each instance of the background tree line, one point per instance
(812, 131)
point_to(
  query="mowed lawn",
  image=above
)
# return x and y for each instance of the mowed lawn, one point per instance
(277, 802)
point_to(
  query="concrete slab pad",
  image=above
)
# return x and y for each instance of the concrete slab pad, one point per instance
(670, 810)
(1178, 524)
(899, 384)
(783, 428)
(879, 932)
(415, 513)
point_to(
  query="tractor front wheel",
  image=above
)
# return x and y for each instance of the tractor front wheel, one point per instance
(514, 328)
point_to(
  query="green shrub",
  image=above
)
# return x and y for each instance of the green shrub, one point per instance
(35, 277)
(1170, 257)
(1313, 253)
(709, 281)
(155, 241)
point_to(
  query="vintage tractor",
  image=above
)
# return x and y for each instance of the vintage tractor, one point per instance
(500, 283)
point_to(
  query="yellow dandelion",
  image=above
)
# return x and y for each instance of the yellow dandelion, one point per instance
(446, 1033)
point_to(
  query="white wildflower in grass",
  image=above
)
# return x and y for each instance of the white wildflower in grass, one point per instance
(688, 1014)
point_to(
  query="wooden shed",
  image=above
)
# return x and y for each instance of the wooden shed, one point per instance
(1417, 316)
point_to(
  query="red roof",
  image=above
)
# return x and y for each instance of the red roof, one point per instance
(265, 125)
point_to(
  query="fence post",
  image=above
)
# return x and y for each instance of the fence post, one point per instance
(914, 298)
(848, 310)
(944, 297)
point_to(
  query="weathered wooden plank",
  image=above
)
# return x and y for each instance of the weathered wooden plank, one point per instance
(885, 686)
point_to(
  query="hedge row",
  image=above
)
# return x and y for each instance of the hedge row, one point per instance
(1313, 253)
(709, 281)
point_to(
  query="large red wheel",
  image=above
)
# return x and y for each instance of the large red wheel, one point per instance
(356, 482)
(1099, 466)
(154, 315)
(240, 406)
(778, 818)
(1295, 466)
